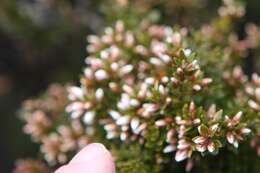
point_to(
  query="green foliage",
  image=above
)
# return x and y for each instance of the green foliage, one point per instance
(134, 159)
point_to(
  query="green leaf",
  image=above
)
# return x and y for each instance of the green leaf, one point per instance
(218, 144)
(218, 116)
(203, 130)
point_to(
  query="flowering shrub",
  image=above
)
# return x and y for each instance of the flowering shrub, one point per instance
(136, 87)
(153, 92)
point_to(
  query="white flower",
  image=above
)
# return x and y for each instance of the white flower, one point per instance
(196, 87)
(110, 127)
(230, 138)
(134, 123)
(88, 73)
(134, 102)
(111, 135)
(99, 94)
(126, 69)
(93, 39)
(187, 52)
(165, 58)
(124, 102)
(140, 129)
(124, 120)
(245, 130)
(104, 54)
(160, 123)
(75, 93)
(162, 89)
(206, 81)
(88, 117)
(253, 105)
(129, 90)
(123, 136)
(165, 79)
(181, 155)
(169, 148)
(114, 114)
(156, 61)
(149, 81)
(101, 74)
(114, 66)
(149, 108)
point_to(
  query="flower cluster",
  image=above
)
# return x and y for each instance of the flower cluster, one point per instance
(30, 166)
(211, 128)
(253, 35)
(142, 83)
(65, 139)
(173, 4)
(255, 142)
(48, 125)
(135, 81)
(40, 114)
(232, 8)
(248, 94)
(253, 91)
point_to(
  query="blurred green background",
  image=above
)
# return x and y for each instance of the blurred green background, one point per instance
(43, 41)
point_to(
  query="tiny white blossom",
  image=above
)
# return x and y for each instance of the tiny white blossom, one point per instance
(160, 123)
(134, 123)
(88, 117)
(150, 80)
(169, 148)
(99, 94)
(123, 120)
(114, 114)
(75, 93)
(101, 74)
(126, 69)
(187, 52)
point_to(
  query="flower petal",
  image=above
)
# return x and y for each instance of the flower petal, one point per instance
(211, 147)
(183, 144)
(201, 148)
(238, 116)
(230, 138)
(245, 130)
(181, 155)
(169, 148)
(203, 130)
(134, 123)
(213, 129)
(199, 140)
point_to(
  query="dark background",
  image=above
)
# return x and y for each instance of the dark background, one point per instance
(31, 57)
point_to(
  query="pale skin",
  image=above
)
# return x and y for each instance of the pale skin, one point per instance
(94, 158)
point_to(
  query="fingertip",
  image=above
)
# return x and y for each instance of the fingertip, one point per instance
(94, 158)
(91, 151)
